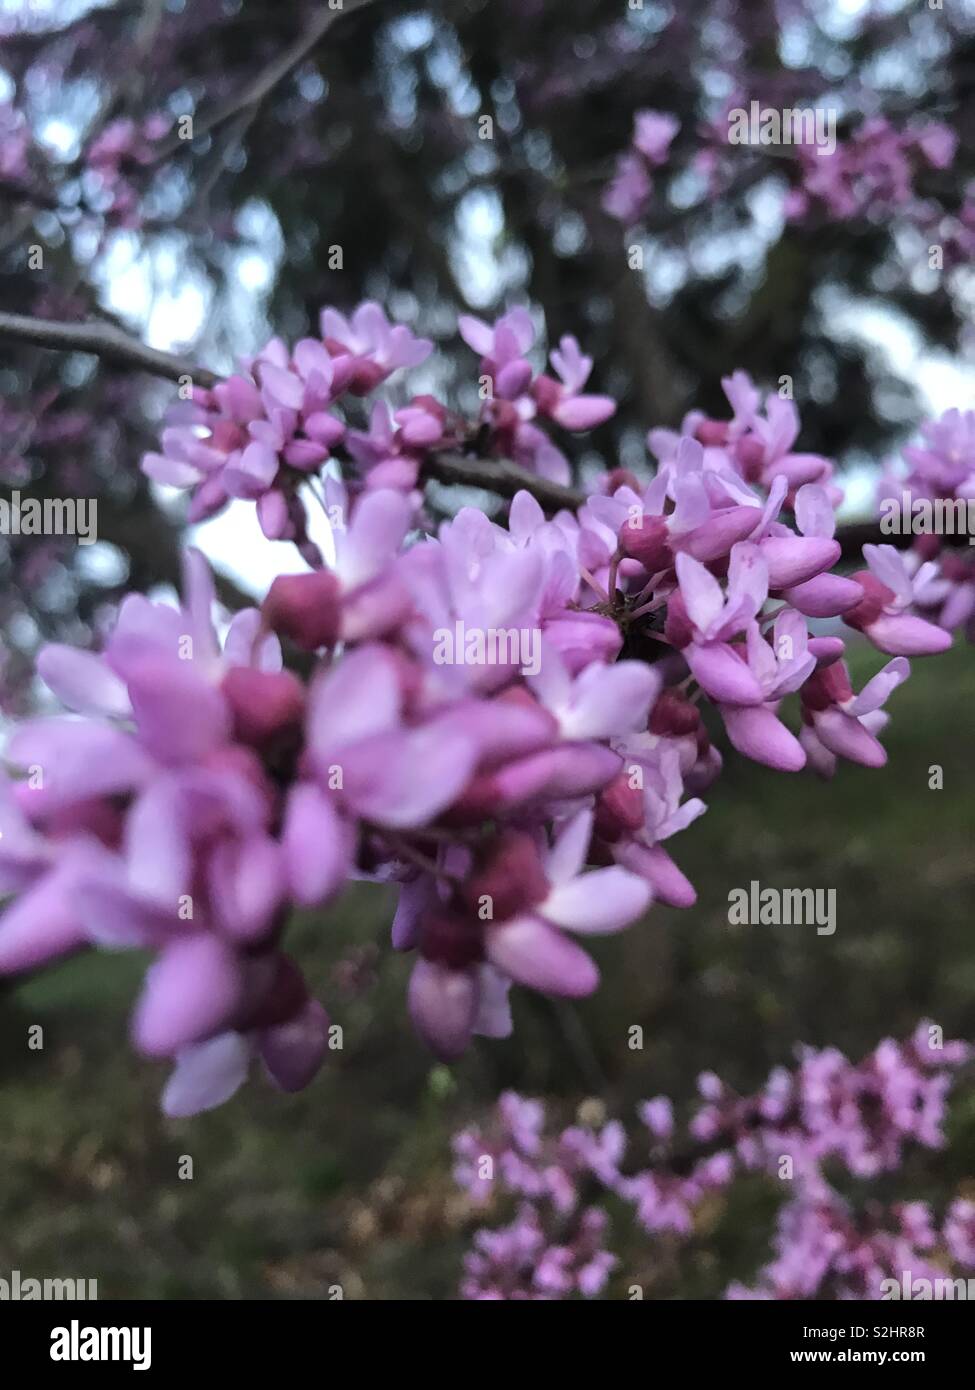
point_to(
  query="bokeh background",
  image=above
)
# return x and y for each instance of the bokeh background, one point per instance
(371, 143)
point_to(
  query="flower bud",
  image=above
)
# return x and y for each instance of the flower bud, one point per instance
(674, 716)
(451, 939)
(647, 540)
(619, 810)
(264, 703)
(305, 607)
(712, 432)
(621, 477)
(876, 597)
(510, 874)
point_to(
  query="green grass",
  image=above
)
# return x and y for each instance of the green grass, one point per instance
(348, 1183)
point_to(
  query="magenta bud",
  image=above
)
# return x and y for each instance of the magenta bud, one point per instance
(619, 810)
(305, 454)
(876, 597)
(451, 939)
(824, 596)
(621, 477)
(305, 607)
(443, 1006)
(674, 716)
(793, 560)
(712, 432)
(760, 735)
(828, 685)
(647, 541)
(264, 703)
(509, 877)
(324, 428)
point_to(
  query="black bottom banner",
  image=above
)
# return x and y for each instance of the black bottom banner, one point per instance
(170, 1339)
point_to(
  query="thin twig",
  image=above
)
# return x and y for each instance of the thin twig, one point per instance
(267, 79)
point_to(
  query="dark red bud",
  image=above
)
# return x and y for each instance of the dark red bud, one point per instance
(646, 540)
(365, 377)
(955, 566)
(619, 809)
(451, 939)
(876, 597)
(674, 716)
(97, 816)
(750, 453)
(274, 992)
(828, 685)
(305, 607)
(264, 703)
(510, 873)
(547, 393)
(928, 547)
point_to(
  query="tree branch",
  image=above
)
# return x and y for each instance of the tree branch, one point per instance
(502, 477)
(104, 340)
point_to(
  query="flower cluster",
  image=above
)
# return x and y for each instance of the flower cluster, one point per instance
(119, 147)
(824, 1114)
(503, 719)
(627, 196)
(825, 1247)
(267, 430)
(877, 172)
(935, 498)
(261, 433)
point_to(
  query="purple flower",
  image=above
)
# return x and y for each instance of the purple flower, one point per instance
(704, 617)
(502, 349)
(627, 196)
(889, 590)
(376, 347)
(838, 723)
(565, 403)
(653, 133)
